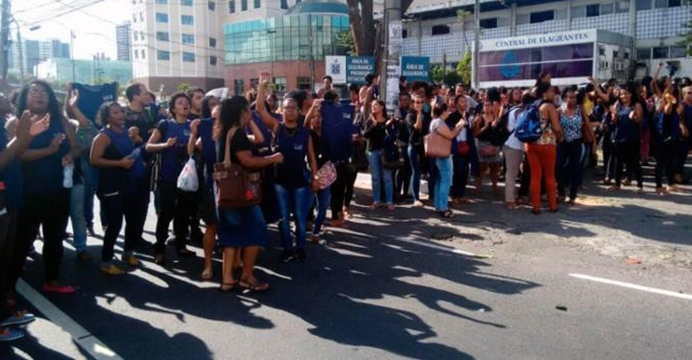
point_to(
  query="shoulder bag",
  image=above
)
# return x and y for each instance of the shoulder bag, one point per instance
(236, 187)
(437, 146)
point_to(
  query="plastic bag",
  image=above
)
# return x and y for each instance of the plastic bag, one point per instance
(188, 180)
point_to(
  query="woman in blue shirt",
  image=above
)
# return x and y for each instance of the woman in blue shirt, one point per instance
(46, 200)
(626, 118)
(170, 138)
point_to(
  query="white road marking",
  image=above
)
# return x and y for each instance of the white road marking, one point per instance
(80, 335)
(429, 244)
(633, 286)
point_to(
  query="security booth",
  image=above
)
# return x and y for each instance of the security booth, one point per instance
(569, 57)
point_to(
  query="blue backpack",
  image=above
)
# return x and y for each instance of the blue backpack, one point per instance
(528, 127)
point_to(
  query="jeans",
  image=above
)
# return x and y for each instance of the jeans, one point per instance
(570, 169)
(461, 175)
(513, 159)
(627, 153)
(79, 223)
(414, 160)
(542, 162)
(443, 182)
(323, 198)
(115, 207)
(296, 201)
(176, 205)
(90, 178)
(377, 174)
(665, 161)
(49, 211)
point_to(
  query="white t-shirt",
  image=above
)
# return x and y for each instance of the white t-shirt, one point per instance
(512, 142)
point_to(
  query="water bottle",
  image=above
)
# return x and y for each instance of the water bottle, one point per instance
(135, 153)
(67, 171)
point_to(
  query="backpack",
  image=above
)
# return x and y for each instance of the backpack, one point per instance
(528, 127)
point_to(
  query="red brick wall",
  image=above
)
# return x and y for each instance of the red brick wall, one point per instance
(291, 70)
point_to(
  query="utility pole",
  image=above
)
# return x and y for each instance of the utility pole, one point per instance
(393, 42)
(4, 39)
(72, 54)
(476, 41)
(20, 48)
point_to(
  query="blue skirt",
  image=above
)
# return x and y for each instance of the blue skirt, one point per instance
(242, 227)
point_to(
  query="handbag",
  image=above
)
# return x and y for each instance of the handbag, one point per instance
(463, 148)
(437, 146)
(236, 187)
(327, 175)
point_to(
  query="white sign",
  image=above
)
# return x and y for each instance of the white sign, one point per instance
(395, 33)
(392, 98)
(335, 67)
(541, 40)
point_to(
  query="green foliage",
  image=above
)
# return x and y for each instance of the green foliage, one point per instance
(444, 75)
(687, 37)
(184, 87)
(344, 43)
(462, 15)
(464, 68)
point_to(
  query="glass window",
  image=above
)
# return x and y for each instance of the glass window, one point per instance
(186, 2)
(440, 30)
(607, 9)
(144, 54)
(601, 51)
(674, 3)
(541, 16)
(284, 4)
(578, 12)
(660, 4)
(188, 39)
(243, 5)
(188, 57)
(231, 7)
(211, 5)
(560, 14)
(161, 18)
(404, 34)
(213, 60)
(162, 36)
(521, 19)
(643, 4)
(592, 10)
(160, 1)
(212, 42)
(134, 18)
(136, 54)
(616, 54)
(280, 83)
(678, 52)
(141, 35)
(258, 4)
(134, 36)
(660, 52)
(239, 86)
(643, 53)
(488, 23)
(163, 55)
(187, 20)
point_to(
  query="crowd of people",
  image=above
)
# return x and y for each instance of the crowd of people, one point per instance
(308, 149)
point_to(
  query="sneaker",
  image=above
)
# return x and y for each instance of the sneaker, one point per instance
(287, 256)
(84, 256)
(111, 269)
(8, 334)
(301, 256)
(59, 289)
(131, 260)
(18, 319)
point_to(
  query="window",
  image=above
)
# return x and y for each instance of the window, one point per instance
(213, 60)
(188, 39)
(660, 52)
(521, 19)
(284, 4)
(440, 30)
(488, 23)
(578, 12)
(162, 1)
(303, 83)
(626, 56)
(211, 5)
(643, 4)
(616, 54)
(141, 35)
(674, 3)
(141, 16)
(212, 42)
(144, 53)
(601, 51)
(541, 16)
(188, 57)
(280, 84)
(163, 55)
(162, 36)
(660, 4)
(678, 52)
(186, 2)
(258, 4)
(239, 86)
(404, 33)
(643, 53)
(136, 54)
(607, 9)
(161, 18)
(593, 10)
(134, 18)
(231, 7)
(134, 36)
(187, 20)
(243, 5)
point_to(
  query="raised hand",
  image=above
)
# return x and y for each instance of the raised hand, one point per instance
(171, 142)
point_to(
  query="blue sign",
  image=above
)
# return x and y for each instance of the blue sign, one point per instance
(510, 68)
(415, 68)
(357, 67)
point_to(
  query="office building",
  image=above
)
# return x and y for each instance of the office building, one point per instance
(93, 71)
(122, 39)
(35, 51)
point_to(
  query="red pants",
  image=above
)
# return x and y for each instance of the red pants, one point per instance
(542, 159)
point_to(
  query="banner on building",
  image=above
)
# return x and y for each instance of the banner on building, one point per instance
(415, 68)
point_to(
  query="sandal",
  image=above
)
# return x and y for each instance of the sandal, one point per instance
(418, 204)
(253, 286)
(613, 188)
(640, 191)
(448, 214)
(207, 274)
(228, 287)
(390, 207)
(374, 206)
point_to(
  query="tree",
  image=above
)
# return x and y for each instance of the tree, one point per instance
(464, 68)
(365, 35)
(343, 40)
(447, 76)
(184, 87)
(687, 33)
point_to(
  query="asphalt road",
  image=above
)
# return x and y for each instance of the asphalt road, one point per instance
(490, 284)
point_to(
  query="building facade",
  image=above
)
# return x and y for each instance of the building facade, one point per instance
(433, 28)
(122, 39)
(85, 71)
(35, 51)
(177, 41)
